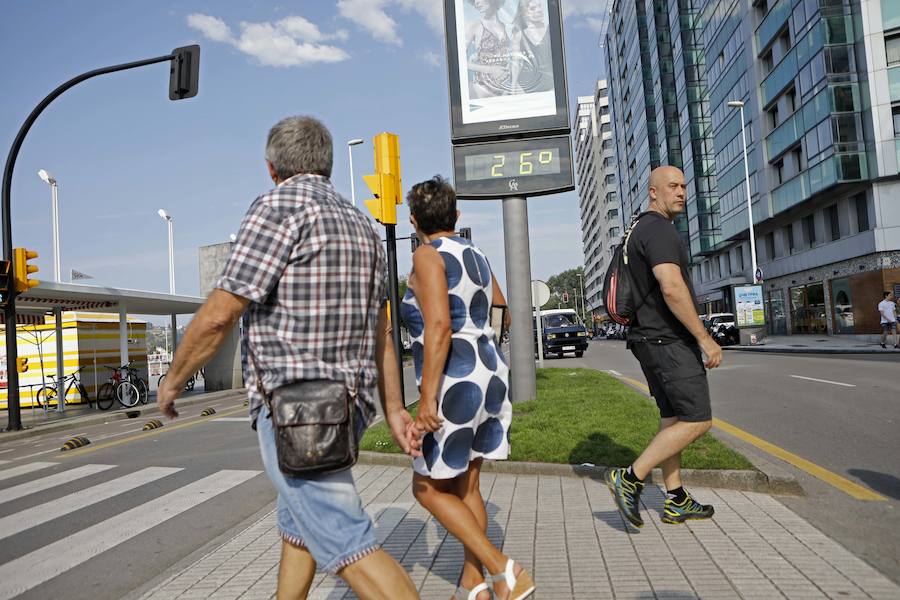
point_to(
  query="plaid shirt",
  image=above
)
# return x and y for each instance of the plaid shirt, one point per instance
(307, 260)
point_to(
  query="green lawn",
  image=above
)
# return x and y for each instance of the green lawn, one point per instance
(584, 416)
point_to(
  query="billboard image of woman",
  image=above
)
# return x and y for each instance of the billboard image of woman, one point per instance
(505, 60)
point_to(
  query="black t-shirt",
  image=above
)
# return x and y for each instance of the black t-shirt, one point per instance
(654, 241)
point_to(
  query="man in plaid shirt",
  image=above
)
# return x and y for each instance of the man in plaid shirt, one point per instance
(303, 267)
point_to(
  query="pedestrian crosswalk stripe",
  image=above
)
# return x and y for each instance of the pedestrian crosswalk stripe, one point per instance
(24, 469)
(41, 565)
(51, 481)
(36, 515)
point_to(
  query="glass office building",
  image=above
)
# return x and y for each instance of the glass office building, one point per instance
(601, 220)
(820, 80)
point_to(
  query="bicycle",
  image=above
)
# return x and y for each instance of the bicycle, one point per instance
(48, 393)
(123, 385)
(188, 385)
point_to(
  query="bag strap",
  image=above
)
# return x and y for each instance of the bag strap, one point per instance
(631, 227)
(362, 343)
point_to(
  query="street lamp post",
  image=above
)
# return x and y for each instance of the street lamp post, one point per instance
(739, 104)
(581, 281)
(168, 218)
(350, 144)
(51, 180)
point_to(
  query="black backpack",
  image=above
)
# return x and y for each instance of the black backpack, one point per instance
(620, 294)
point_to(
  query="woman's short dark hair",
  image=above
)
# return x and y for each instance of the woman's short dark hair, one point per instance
(433, 204)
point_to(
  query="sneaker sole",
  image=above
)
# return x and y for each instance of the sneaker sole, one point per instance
(683, 520)
(612, 491)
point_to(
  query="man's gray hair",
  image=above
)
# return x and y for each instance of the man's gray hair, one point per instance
(300, 144)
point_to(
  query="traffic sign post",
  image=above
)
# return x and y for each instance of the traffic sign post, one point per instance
(540, 294)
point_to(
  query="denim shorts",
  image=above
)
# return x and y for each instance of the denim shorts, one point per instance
(323, 514)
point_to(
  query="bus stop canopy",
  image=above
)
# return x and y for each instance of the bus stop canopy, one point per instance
(32, 306)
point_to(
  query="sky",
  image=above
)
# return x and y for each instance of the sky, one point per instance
(121, 150)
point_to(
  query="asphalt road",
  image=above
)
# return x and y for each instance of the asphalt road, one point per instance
(102, 521)
(842, 412)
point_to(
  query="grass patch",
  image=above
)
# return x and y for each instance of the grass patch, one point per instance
(585, 416)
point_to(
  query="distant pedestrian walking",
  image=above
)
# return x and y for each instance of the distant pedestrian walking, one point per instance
(670, 342)
(887, 310)
(464, 407)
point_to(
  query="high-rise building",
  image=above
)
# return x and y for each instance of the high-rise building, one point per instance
(820, 83)
(601, 221)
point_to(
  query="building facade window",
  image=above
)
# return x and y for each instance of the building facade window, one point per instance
(892, 49)
(789, 235)
(834, 225)
(809, 230)
(862, 212)
(770, 245)
(808, 308)
(842, 303)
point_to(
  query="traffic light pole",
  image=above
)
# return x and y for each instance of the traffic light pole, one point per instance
(518, 281)
(394, 295)
(15, 416)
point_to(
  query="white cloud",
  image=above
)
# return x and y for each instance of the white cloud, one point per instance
(596, 24)
(370, 16)
(290, 42)
(212, 27)
(572, 8)
(432, 58)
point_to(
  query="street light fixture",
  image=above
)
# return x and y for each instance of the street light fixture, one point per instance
(350, 144)
(48, 178)
(168, 218)
(739, 104)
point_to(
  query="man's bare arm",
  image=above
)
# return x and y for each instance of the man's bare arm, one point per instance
(678, 298)
(206, 333)
(386, 362)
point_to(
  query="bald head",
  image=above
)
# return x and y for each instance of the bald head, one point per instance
(667, 191)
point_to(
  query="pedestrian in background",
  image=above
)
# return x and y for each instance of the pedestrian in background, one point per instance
(306, 269)
(670, 342)
(887, 310)
(464, 408)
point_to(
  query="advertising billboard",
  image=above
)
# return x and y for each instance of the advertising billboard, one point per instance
(506, 68)
(749, 310)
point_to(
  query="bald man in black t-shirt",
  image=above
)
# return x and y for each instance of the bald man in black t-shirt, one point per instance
(674, 349)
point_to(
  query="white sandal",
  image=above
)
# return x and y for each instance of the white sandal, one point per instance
(519, 587)
(462, 593)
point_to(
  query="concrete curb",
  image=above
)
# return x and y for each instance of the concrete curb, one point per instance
(142, 410)
(745, 481)
(806, 350)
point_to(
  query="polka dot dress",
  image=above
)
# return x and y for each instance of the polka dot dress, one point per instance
(473, 399)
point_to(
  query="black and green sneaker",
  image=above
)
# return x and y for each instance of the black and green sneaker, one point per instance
(626, 494)
(689, 508)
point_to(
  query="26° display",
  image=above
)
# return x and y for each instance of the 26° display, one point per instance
(500, 165)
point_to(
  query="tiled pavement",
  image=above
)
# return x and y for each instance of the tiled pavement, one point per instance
(567, 531)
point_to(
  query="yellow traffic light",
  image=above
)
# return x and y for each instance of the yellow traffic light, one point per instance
(22, 269)
(21, 364)
(385, 183)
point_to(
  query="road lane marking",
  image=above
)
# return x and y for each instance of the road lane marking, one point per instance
(232, 420)
(3, 462)
(833, 479)
(5, 451)
(51, 481)
(37, 515)
(146, 434)
(41, 565)
(24, 469)
(823, 381)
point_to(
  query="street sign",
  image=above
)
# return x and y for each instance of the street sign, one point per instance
(526, 167)
(565, 296)
(749, 307)
(759, 275)
(540, 293)
(507, 69)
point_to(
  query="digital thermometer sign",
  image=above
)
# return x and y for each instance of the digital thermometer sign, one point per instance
(527, 167)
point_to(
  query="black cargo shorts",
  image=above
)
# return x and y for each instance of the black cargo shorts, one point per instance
(676, 377)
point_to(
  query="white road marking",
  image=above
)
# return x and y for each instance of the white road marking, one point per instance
(232, 420)
(24, 469)
(5, 451)
(823, 381)
(36, 515)
(51, 481)
(3, 462)
(41, 565)
(611, 372)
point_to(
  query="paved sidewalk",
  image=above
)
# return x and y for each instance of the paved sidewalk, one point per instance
(816, 344)
(568, 532)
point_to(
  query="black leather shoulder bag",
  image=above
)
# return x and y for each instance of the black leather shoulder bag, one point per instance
(315, 419)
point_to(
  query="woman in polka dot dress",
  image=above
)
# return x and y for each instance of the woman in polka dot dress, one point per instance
(464, 408)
